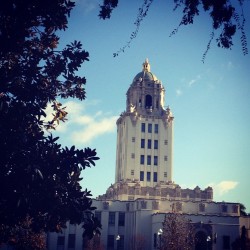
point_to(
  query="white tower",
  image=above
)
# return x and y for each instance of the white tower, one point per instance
(145, 133)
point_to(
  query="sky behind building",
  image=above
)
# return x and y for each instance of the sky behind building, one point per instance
(210, 100)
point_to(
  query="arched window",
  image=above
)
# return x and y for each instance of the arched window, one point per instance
(148, 101)
(157, 103)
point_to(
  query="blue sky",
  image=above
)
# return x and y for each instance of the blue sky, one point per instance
(210, 101)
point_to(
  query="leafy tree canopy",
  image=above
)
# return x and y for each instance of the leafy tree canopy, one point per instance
(39, 179)
(224, 17)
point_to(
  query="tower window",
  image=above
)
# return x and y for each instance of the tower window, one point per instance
(165, 174)
(155, 144)
(149, 160)
(133, 139)
(156, 128)
(132, 172)
(142, 143)
(155, 160)
(141, 176)
(155, 176)
(148, 101)
(165, 158)
(149, 128)
(143, 127)
(142, 159)
(148, 176)
(132, 155)
(149, 143)
(166, 142)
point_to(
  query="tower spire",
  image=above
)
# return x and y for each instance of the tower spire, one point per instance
(146, 66)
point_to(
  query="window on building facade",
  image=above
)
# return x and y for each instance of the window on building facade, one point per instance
(202, 207)
(155, 205)
(111, 242)
(155, 240)
(148, 176)
(132, 155)
(165, 158)
(148, 100)
(111, 218)
(226, 242)
(141, 176)
(142, 143)
(235, 208)
(143, 204)
(71, 241)
(155, 144)
(224, 208)
(105, 205)
(149, 143)
(149, 160)
(155, 176)
(121, 220)
(143, 127)
(120, 243)
(155, 160)
(98, 215)
(132, 172)
(142, 159)
(60, 242)
(166, 142)
(165, 174)
(156, 128)
(149, 128)
(133, 139)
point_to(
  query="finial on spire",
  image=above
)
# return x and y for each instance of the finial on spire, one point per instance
(146, 66)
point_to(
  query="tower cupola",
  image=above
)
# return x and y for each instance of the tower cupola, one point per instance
(146, 93)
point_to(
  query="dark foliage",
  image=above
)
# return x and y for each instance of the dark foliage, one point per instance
(107, 8)
(225, 19)
(39, 178)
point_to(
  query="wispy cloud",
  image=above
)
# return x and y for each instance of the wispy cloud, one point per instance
(194, 80)
(87, 5)
(223, 187)
(82, 127)
(178, 92)
(94, 129)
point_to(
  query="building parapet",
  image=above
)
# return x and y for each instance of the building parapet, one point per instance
(131, 190)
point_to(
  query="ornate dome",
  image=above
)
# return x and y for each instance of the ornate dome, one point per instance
(145, 74)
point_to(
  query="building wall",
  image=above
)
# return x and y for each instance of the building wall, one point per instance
(129, 151)
(144, 217)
